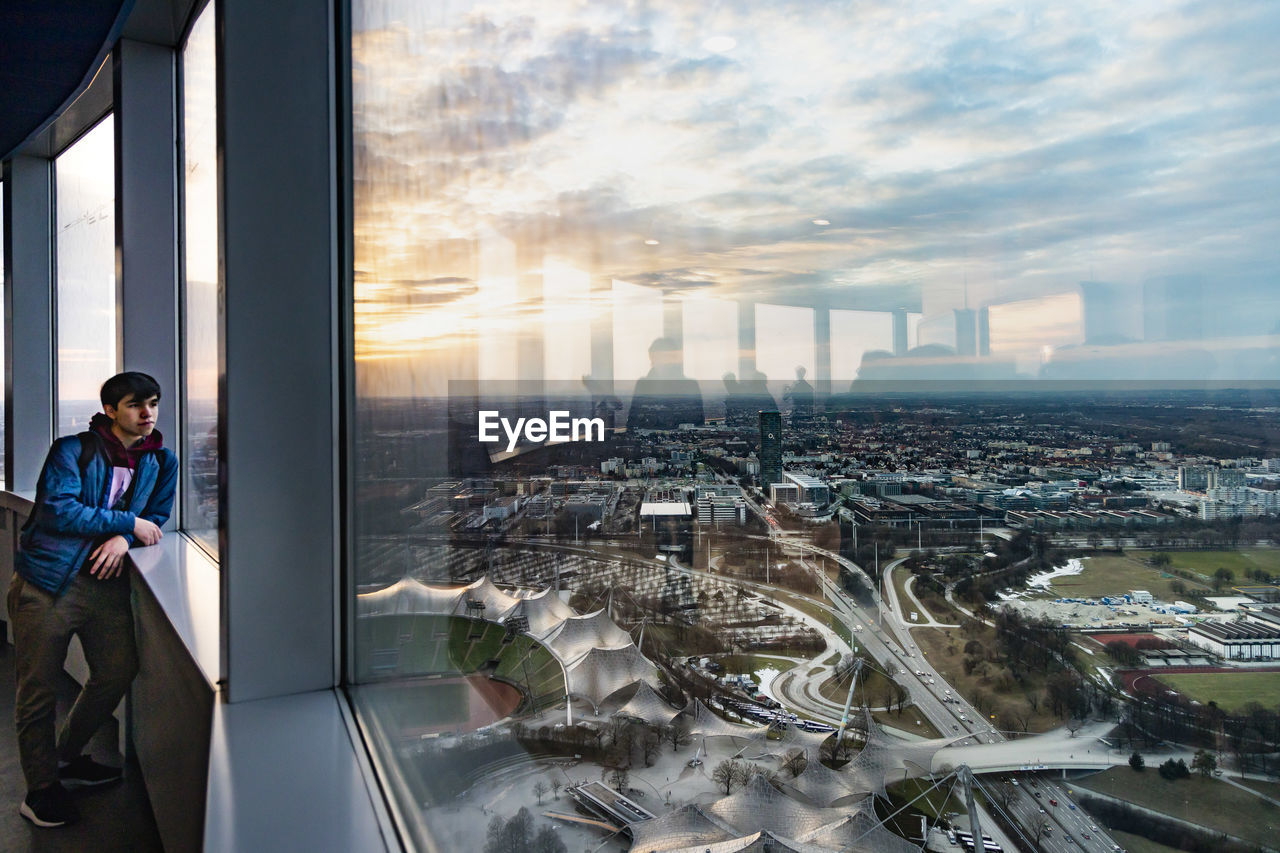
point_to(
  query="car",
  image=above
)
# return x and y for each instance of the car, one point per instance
(1088, 837)
(1053, 802)
(1071, 806)
(1037, 795)
(1015, 782)
(1042, 811)
(957, 728)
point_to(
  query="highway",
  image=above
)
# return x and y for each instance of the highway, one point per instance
(892, 648)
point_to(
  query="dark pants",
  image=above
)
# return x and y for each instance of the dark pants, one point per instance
(101, 613)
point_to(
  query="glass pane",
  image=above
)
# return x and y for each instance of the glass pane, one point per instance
(88, 322)
(201, 313)
(762, 245)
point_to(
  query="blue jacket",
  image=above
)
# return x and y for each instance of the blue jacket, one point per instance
(71, 511)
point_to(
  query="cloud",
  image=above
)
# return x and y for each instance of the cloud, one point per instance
(1020, 150)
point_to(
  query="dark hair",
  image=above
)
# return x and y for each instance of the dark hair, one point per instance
(139, 385)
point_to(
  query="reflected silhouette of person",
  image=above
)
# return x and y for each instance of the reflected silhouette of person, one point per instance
(801, 396)
(665, 398)
(747, 396)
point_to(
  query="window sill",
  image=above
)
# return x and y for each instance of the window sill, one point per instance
(282, 773)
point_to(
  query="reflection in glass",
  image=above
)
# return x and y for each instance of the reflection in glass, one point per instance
(712, 231)
(88, 324)
(201, 311)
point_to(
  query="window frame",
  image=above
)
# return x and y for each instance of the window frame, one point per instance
(180, 231)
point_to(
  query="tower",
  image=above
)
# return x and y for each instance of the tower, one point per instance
(770, 448)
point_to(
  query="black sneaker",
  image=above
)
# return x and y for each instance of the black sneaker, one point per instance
(49, 806)
(83, 772)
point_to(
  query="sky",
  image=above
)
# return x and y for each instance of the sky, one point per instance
(520, 168)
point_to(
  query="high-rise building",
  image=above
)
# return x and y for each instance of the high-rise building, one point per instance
(770, 448)
(1193, 478)
(1226, 478)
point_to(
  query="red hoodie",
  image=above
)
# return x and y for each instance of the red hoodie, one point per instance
(121, 456)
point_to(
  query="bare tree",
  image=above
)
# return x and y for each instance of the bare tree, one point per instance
(619, 779)
(540, 790)
(678, 737)
(1039, 828)
(796, 763)
(727, 773)
(555, 787)
(649, 747)
(1074, 724)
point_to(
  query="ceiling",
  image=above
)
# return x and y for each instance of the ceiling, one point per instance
(48, 50)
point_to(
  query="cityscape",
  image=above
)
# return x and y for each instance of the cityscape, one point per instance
(860, 621)
(924, 359)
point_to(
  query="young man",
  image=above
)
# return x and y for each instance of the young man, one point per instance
(99, 492)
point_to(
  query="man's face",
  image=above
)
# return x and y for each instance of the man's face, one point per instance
(134, 418)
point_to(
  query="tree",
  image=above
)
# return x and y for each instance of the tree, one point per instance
(1160, 560)
(510, 836)
(649, 744)
(1137, 762)
(726, 773)
(1074, 725)
(546, 841)
(796, 763)
(540, 790)
(1172, 770)
(619, 779)
(1039, 828)
(678, 737)
(555, 787)
(1204, 763)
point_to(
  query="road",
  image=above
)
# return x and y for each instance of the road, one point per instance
(893, 649)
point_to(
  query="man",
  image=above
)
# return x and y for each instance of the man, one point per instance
(99, 493)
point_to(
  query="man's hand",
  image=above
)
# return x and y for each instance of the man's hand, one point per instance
(146, 532)
(108, 558)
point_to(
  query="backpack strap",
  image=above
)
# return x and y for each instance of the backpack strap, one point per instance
(90, 444)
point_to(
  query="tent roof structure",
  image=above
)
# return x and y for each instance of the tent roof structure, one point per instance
(646, 705)
(578, 635)
(599, 673)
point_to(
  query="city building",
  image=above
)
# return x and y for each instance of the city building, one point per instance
(1193, 478)
(770, 448)
(809, 490)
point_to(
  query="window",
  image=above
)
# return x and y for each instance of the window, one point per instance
(711, 230)
(201, 313)
(87, 305)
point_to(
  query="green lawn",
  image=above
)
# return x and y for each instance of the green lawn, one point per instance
(407, 645)
(408, 706)
(1231, 690)
(1239, 562)
(910, 721)
(819, 612)
(935, 803)
(1211, 803)
(1268, 789)
(1112, 574)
